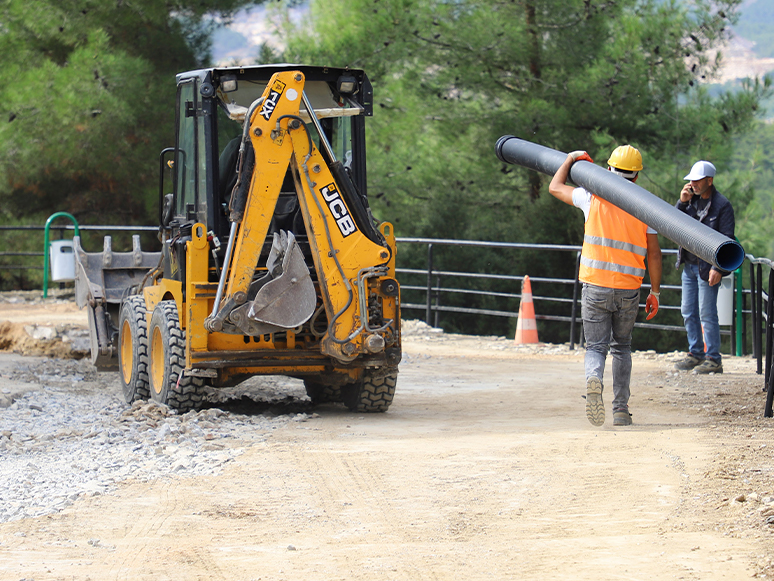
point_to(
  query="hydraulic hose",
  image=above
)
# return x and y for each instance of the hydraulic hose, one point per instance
(699, 239)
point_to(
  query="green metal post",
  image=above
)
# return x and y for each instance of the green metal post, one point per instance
(739, 292)
(46, 244)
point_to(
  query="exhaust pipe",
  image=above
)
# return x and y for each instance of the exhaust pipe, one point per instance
(699, 239)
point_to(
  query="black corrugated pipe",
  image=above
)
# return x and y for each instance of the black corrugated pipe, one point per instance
(706, 243)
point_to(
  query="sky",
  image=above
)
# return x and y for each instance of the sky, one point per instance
(239, 42)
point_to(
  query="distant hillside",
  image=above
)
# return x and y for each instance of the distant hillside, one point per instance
(741, 60)
(755, 25)
(751, 51)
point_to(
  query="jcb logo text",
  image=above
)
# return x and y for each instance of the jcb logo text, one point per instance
(270, 103)
(338, 210)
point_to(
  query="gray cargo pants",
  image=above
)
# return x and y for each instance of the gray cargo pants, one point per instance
(608, 320)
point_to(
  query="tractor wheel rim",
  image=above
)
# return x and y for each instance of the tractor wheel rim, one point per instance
(157, 361)
(127, 354)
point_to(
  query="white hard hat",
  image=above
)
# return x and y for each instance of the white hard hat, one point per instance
(700, 170)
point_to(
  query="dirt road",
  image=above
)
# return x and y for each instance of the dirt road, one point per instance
(485, 467)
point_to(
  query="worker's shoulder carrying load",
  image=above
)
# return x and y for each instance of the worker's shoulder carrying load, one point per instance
(699, 239)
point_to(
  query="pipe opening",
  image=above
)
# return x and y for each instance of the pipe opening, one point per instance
(499, 147)
(729, 256)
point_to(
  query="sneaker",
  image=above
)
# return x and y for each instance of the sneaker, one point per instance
(688, 363)
(595, 409)
(708, 366)
(622, 419)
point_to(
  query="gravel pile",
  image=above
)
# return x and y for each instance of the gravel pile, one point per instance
(66, 433)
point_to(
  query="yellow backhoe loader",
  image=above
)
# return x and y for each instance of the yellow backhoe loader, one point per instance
(271, 261)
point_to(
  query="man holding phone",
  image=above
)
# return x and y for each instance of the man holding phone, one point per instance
(700, 280)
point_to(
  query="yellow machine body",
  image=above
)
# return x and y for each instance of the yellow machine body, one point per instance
(324, 306)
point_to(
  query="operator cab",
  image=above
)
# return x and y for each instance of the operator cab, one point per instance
(211, 108)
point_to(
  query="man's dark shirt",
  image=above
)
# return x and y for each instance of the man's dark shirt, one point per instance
(715, 212)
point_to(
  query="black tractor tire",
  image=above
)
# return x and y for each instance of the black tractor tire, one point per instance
(168, 383)
(133, 349)
(372, 394)
(322, 393)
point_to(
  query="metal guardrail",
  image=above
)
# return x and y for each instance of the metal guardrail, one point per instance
(760, 314)
(60, 229)
(433, 307)
(763, 323)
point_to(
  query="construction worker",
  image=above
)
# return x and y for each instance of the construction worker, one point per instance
(700, 280)
(615, 245)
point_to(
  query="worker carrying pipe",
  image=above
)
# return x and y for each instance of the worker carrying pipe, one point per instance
(699, 239)
(612, 267)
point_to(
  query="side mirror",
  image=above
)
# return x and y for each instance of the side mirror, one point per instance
(166, 166)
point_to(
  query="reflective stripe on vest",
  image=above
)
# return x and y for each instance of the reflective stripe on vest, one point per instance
(614, 247)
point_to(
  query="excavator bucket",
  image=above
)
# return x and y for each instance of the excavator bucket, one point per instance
(288, 299)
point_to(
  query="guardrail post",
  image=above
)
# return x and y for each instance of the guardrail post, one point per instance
(437, 300)
(768, 323)
(739, 311)
(768, 376)
(46, 243)
(574, 312)
(768, 320)
(428, 310)
(759, 328)
(755, 316)
(753, 310)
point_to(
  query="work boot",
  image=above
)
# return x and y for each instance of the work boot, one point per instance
(688, 363)
(708, 366)
(622, 419)
(595, 409)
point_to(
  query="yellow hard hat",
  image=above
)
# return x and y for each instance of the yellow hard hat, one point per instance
(625, 158)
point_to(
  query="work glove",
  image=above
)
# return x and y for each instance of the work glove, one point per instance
(580, 155)
(651, 305)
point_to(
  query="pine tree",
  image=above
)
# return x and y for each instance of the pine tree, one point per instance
(88, 101)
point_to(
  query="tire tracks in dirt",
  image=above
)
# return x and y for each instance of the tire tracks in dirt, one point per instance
(352, 488)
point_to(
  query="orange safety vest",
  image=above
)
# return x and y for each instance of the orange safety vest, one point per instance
(614, 247)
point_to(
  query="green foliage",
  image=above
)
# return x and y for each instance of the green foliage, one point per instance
(88, 101)
(754, 173)
(450, 78)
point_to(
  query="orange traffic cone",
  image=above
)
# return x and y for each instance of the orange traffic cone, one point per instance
(526, 325)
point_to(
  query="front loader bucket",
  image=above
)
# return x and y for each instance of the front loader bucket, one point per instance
(102, 281)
